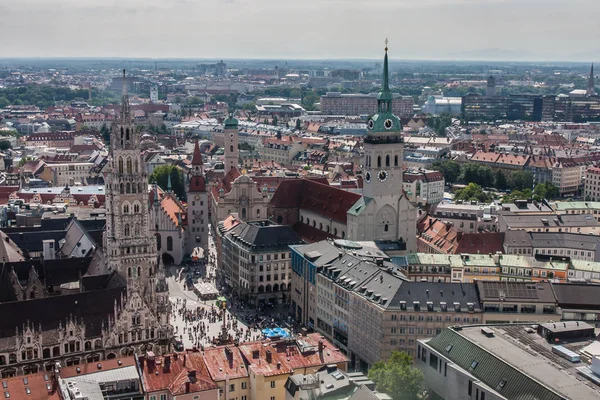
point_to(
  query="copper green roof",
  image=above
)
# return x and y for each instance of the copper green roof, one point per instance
(231, 122)
(384, 121)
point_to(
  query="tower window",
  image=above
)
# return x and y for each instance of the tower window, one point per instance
(127, 188)
(231, 149)
(378, 161)
(126, 230)
(243, 213)
(387, 160)
(120, 165)
(129, 165)
(396, 160)
(122, 188)
(386, 227)
(127, 134)
(169, 243)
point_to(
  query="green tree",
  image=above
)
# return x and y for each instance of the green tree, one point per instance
(4, 102)
(517, 195)
(398, 377)
(500, 180)
(309, 101)
(5, 145)
(450, 169)
(479, 174)
(472, 192)
(440, 123)
(160, 176)
(520, 180)
(105, 132)
(546, 191)
(275, 120)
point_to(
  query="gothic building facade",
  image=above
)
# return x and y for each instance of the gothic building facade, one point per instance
(64, 314)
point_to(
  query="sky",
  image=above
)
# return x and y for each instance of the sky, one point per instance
(522, 30)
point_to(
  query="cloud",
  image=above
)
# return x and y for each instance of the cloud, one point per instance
(301, 29)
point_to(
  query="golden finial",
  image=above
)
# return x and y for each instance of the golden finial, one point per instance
(386, 44)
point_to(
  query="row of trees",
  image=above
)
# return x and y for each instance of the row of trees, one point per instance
(483, 175)
(45, 95)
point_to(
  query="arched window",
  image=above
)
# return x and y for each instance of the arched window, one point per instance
(133, 188)
(379, 161)
(120, 165)
(127, 134)
(258, 212)
(136, 166)
(141, 187)
(387, 160)
(327, 229)
(314, 223)
(231, 149)
(243, 213)
(122, 188)
(137, 230)
(127, 188)
(129, 165)
(386, 227)
(125, 208)
(129, 272)
(134, 272)
(136, 208)
(321, 226)
(158, 241)
(307, 221)
(335, 231)
(343, 235)
(126, 230)
(139, 274)
(122, 133)
(169, 243)
(396, 160)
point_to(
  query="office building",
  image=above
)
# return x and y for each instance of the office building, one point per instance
(336, 103)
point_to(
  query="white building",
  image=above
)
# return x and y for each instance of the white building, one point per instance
(154, 94)
(424, 186)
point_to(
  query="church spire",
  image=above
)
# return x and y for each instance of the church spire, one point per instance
(125, 109)
(591, 89)
(197, 157)
(386, 84)
(385, 96)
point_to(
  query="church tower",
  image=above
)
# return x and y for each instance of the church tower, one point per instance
(197, 202)
(383, 146)
(591, 88)
(130, 245)
(231, 143)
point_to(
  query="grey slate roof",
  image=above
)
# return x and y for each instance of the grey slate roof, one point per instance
(577, 295)
(531, 292)
(265, 237)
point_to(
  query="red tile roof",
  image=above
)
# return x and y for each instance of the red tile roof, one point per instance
(481, 243)
(219, 366)
(325, 200)
(310, 234)
(156, 377)
(197, 157)
(38, 387)
(90, 368)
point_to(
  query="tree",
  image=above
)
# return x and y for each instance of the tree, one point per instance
(397, 377)
(479, 174)
(5, 145)
(440, 123)
(500, 180)
(450, 169)
(160, 176)
(473, 192)
(520, 180)
(105, 132)
(546, 191)
(517, 195)
(275, 120)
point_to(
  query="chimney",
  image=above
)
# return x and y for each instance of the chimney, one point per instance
(142, 360)
(269, 356)
(321, 346)
(184, 359)
(167, 366)
(187, 386)
(255, 354)
(192, 375)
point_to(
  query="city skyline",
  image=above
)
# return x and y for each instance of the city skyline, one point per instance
(430, 30)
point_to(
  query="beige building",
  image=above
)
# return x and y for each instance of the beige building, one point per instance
(281, 151)
(548, 222)
(67, 173)
(567, 175)
(424, 187)
(591, 187)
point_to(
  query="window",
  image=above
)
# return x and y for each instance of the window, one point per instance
(163, 397)
(243, 385)
(470, 390)
(232, 387)
(272, 384)
(169, 243)
(433, 361)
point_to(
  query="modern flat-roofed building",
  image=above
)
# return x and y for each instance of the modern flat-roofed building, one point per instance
(499, 362)
(336, 103)
(509, 302)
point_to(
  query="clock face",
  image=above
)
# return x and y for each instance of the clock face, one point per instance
(388, 124)
(370, 124)
(368, 177)
(382, 175)
(231, 135)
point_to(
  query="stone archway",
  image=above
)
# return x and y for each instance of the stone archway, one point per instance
(167, 259)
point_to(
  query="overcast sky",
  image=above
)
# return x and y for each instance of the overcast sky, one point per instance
(417, 29)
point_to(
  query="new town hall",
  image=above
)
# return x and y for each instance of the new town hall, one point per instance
(78, 310)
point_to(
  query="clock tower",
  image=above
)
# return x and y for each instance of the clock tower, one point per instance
(197, 201)
(231, 143)
(383, 146)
